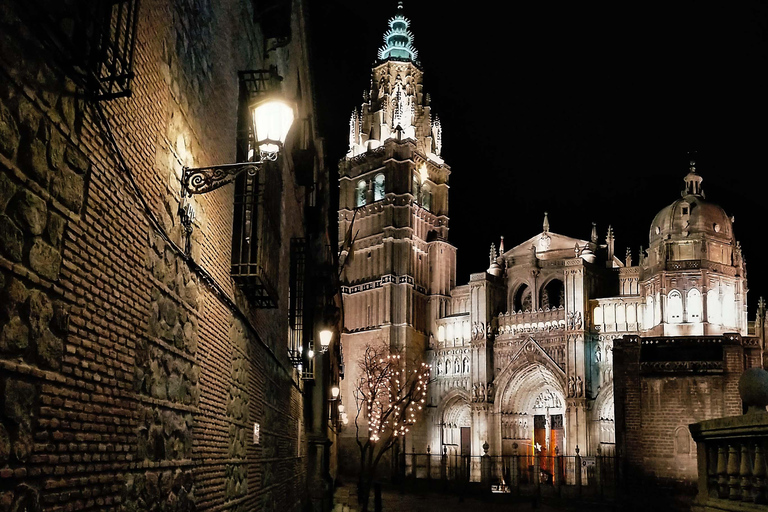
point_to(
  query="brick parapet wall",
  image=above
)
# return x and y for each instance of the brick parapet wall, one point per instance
(653, 410)
(126, 383)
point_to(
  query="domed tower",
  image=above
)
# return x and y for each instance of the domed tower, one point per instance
(397, 266)
(693, 279)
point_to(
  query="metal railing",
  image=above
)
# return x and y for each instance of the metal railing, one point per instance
(510, 473)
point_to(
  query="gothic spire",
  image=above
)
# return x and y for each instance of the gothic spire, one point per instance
(398, 40)
(546, 223)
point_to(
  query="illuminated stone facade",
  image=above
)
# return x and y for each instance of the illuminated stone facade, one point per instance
(522, 353)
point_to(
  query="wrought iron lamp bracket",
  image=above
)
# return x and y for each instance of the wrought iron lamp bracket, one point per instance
(201, 180)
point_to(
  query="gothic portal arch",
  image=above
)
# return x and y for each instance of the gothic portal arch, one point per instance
(531, 404)
(605, 420)
(455, 421)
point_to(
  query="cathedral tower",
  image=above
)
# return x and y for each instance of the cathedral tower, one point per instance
(397, 266)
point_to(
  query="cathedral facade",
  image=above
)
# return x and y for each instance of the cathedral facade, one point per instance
(521, 355)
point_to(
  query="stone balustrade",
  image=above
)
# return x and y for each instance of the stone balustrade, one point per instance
(732, 453)
(528, 321)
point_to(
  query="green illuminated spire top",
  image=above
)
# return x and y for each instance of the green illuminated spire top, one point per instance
(398, 39)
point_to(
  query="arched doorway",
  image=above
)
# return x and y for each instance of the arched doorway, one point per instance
(532, 413)
(605, 420)
(456, 425)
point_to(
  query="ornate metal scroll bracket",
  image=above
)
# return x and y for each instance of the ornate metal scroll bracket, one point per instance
(201, 180)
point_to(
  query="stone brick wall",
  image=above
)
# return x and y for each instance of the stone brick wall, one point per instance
(655, 402)
(126, 381)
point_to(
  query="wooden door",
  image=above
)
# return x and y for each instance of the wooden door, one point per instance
(466, 441)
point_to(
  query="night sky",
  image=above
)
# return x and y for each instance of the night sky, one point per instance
(585, 111)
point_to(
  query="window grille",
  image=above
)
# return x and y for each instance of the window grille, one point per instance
(94, 41)
(110, 54)
(296, 299)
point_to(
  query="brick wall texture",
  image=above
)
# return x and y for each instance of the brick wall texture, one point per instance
(126, 382)
(654, 410)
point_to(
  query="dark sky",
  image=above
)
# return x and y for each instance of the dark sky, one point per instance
(585, 111)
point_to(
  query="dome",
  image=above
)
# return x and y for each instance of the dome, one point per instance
(691, 216)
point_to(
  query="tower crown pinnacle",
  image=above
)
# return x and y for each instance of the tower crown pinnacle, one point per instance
(398, 40)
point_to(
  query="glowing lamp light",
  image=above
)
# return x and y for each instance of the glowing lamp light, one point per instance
(326, 335)
(272, 118)
(335, 392)
(310, 353)
(341, 408)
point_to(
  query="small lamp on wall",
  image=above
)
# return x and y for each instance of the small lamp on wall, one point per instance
(335, 392)
(326, 335)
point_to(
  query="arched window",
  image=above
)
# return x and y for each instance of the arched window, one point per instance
(465, 365)
(693, 305)
(621, 316)
(360, 193)
(674, 307)
(648, 312)
(378, 187)
(713, 307)
(523, 300)
(598, 316)
(447, 366)
(682, 441)
(553, 294)
(457, 368)
(439, 366)
(426, 197)
(729, 308)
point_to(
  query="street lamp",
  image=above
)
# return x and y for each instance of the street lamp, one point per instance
(326, 335)
(271, 119)
(335, 392)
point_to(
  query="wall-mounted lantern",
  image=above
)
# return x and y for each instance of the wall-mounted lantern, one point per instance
(271, 118)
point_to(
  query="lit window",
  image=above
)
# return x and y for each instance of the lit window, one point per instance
(378, 187)
(674, 307)
(729, 308)
(713, 307)
(694, 305)
(426, 198)
(361, 192)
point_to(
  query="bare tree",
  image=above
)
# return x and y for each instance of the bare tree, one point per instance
(389, 395)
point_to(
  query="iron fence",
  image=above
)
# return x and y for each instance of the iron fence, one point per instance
(508, 472)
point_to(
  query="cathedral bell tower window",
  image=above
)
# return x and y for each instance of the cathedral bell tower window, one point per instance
(360, 193)
(378, 187)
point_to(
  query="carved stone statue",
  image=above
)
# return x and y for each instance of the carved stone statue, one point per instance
(579, 386)
(490, 391)
(474, 393)
(577, 320)
(598, 353)
(571, 386)
(482, 393)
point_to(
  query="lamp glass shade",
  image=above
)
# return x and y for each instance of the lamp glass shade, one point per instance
(325, 337)
(271, 121)
(335, 391)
